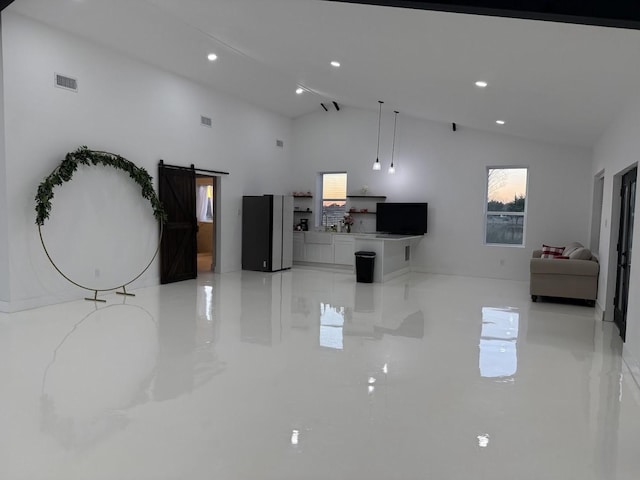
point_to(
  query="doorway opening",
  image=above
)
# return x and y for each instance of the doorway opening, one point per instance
(205, 215)
(596, 211)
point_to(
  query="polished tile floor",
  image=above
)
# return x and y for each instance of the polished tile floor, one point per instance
(307, 375)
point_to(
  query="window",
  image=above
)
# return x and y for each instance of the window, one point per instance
(334, 198)
(506, 206)
(204, 203)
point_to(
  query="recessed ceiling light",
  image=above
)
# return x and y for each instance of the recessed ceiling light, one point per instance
(481, 84)
(500, 122)
(212, 57)
(300, 90)
(335, 64)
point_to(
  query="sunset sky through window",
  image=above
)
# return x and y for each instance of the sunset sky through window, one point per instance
(506, 183)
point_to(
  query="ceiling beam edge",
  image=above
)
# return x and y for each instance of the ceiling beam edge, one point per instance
(5, 3)
(614, 13)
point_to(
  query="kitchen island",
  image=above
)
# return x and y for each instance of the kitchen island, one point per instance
(393, 252)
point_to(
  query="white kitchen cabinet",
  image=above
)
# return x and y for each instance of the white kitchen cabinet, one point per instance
(318, 253)
(298, 247)
(343, 253)
(324, 247)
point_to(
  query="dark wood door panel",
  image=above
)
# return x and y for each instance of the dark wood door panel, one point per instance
(625, 246)
(178, 251)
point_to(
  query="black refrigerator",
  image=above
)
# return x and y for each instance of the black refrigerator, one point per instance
(267, 232)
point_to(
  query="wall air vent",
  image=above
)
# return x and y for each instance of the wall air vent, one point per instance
(205, 121)
(279, 143)
(68, 83)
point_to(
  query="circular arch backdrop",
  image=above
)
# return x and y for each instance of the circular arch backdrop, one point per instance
(64, 173)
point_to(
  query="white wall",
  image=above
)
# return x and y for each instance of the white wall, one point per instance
(617, 151)
(447, 170)
(122, 106)
(4, 234)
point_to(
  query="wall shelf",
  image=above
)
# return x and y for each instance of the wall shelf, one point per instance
(361, 213)
(302, 196)
(302, 211)
(381, 197)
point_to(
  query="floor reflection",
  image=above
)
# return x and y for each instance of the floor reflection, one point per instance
(411, 327)
(188, 327)
(264, 297)
(331, 326)
(121, 356)
(384, 380)
(337, 322)
(89, 382)
(498, 342)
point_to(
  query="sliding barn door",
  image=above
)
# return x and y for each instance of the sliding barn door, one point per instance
(178, 250)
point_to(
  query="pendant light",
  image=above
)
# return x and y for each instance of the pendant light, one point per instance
(376, 164)
(392, 169)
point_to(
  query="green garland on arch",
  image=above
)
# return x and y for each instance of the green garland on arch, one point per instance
(83, 156)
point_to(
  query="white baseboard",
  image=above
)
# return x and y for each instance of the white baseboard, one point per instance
(68, 296)
(325, 267)
(419, 269)
(396, 274)
(31, 303)
(633, 364)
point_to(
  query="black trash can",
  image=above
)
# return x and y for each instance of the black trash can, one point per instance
(365, 261)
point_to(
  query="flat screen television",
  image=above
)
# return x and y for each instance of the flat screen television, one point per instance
(402, 218)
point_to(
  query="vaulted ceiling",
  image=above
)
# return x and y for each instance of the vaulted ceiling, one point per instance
(553, 82)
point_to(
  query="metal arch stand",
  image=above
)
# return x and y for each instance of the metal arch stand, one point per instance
(96, 290)
(125, 293)
(95, 298)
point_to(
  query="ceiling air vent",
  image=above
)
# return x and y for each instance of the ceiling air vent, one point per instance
(68, 83)
(205, 121)
(279, 143)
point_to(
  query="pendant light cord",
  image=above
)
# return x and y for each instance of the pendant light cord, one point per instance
(395, 123)
(379, 122)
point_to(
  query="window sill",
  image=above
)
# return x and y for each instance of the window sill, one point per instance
(509, 245)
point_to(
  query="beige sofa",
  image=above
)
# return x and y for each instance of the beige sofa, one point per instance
(575, 277)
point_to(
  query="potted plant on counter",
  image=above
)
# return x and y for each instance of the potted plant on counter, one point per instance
(347, 221)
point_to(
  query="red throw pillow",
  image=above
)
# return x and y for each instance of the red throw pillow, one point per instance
(551, 252)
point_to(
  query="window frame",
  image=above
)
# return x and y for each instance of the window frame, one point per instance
(522, 214)
(321, 199)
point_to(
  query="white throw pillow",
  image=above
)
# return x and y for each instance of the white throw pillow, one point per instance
(580, 254)
(572, 247)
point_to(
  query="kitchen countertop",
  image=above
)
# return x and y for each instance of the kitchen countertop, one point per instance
(369, 235)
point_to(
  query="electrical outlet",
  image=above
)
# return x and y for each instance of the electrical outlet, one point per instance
(502, 262)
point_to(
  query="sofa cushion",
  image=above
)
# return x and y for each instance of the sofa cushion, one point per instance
(551, 252)
(564, 267)
(580, 254)
(572, 247)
